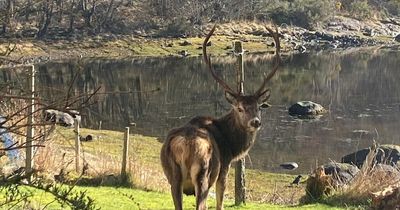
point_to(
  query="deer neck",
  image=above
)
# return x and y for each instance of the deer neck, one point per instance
(235, 140)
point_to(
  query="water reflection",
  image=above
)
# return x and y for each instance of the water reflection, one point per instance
(360, 89)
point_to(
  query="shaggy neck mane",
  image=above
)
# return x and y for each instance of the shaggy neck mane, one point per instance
(235, 140)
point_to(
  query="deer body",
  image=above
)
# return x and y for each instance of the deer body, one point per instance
(199, 154)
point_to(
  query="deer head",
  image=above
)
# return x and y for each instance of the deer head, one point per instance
(246, 108)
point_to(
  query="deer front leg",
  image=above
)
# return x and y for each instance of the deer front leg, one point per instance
(221, 185)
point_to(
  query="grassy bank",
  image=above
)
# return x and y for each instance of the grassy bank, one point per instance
(126, 46)
(252, 34)
(109, 198)
(104, 155)
(147, 187)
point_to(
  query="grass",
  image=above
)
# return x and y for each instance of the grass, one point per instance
(146, 171)
(148, 186)
(127, 46)
(129, 199)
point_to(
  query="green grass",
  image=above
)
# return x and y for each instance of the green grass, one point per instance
(130, 199)
(273, 190)
(144, 150)
(126, 46)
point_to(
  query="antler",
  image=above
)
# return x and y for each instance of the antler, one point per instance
(275, 35)
(210, 68)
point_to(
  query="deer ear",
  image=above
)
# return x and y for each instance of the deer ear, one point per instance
(265, 105)
(231, 98)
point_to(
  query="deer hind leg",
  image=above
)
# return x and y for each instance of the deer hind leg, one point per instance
(176, 186)
(201, 183)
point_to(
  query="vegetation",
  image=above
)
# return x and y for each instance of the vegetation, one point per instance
(74, 18)
(147, 187)
(109, 198)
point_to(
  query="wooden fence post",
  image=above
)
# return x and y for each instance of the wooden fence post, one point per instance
(30, 132)
(125, 153)
(77, 146)
(240, 181)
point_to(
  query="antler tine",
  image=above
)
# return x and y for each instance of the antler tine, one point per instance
(275, 35)
(210, 68)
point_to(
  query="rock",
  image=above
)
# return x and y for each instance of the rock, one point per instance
(328, 37)
(386, 153)
(260, 33)
(397, 38)
(301, 48)
(183, 53)
(185, 43)
(369, 32)
(289, 165)
(306, 108)
(342, 173)
(89, 137)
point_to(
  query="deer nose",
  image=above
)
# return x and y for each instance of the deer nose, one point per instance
(256, 123)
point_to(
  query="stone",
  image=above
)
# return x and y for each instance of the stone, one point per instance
(342, 173)
(185, 43)
(306, 108)
(289, 165)
(386, 154)
(397, 38)
(183, 53)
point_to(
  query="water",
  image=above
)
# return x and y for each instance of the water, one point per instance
(359, 88)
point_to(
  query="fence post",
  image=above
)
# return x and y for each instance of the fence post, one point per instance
(77, 146)
(125, 153)
(240, 182)
(30, 132)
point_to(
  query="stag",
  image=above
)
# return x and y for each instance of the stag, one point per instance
(200, 153)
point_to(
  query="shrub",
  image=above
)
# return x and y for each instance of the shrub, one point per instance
(304, 13)
(175, 28)
(361, 10)
(393, 7)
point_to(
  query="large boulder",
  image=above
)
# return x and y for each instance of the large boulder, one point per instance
(342, 173)
(306, 108)
(386, 153)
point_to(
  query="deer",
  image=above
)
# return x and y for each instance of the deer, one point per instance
(200, 153)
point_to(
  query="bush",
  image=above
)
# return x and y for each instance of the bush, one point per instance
(393, 7)
(361, 10)
(304, 13)
(175, 28)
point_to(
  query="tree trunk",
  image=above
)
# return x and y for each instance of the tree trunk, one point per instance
(7, 16)
(71, 17)
(46, 19)
(28, 9)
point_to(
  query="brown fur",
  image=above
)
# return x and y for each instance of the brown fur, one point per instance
(199, 154)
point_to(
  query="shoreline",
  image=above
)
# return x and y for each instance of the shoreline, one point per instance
(253, 36)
